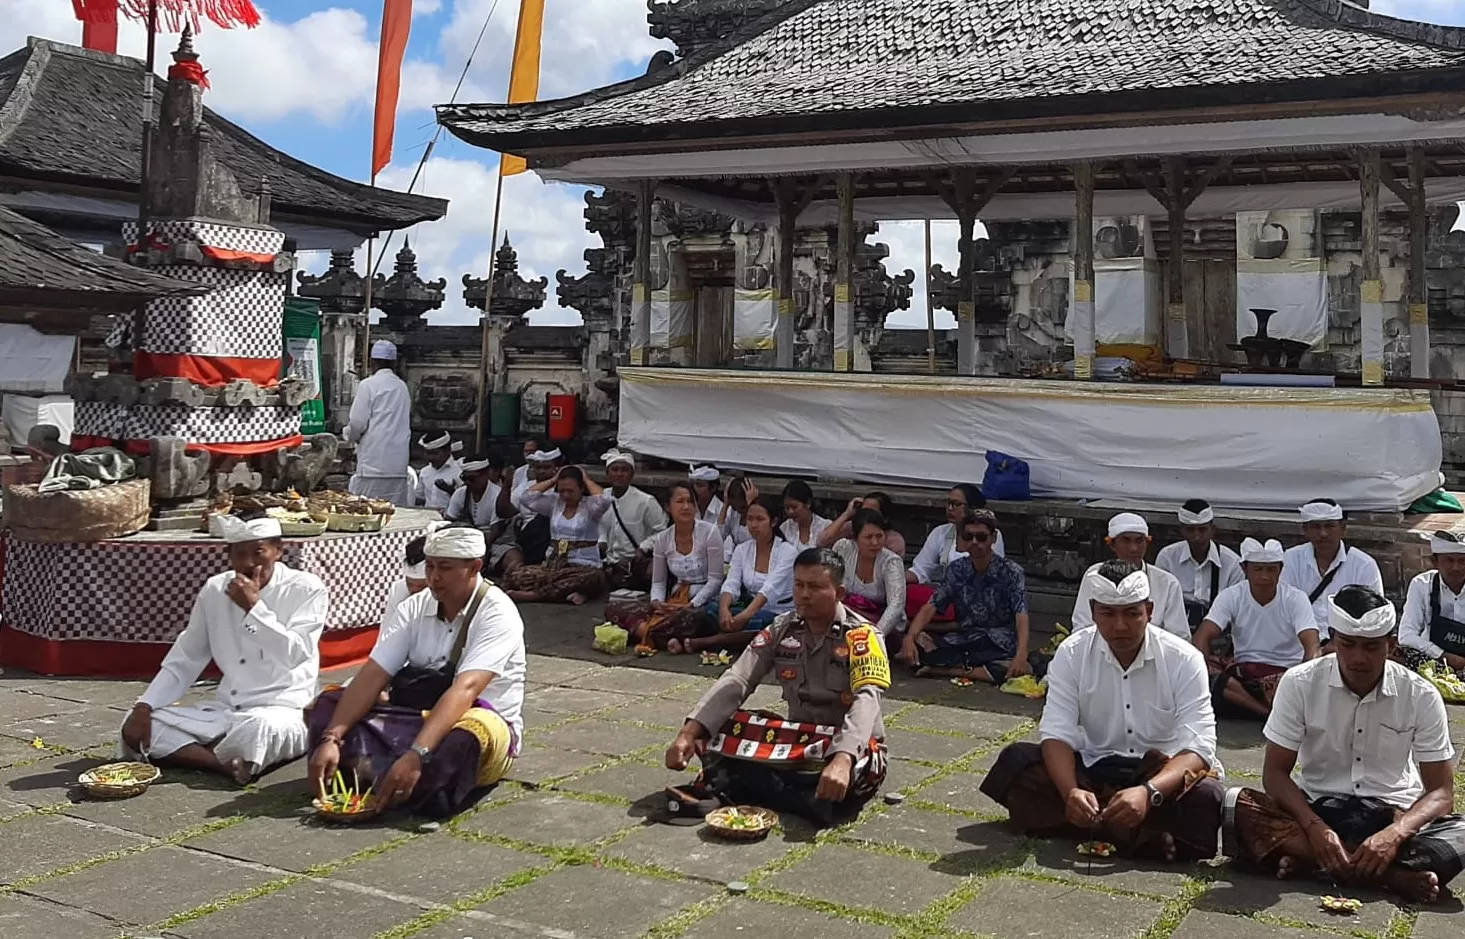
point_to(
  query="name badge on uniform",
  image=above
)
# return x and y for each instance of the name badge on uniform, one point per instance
(790, 647)
(868, 665)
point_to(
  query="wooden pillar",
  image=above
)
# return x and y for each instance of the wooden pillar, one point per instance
(1371, 300)
(1418, 283)
(1175, 330)
(844, 277)
(641, 288)
(966, 303)
(791, 202)
(1083, 273)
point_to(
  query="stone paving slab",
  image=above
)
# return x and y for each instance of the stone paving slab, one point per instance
(906, 777)
(95, 691)
(639, 682)
(15, 751)
(962, 791)
(855, 878)
(1293, 900)
(593, 735)
(596, 903)
(22, 706)
(630, 781)
(981, 724)
(84, 729)
(1199, 924)
(692, 851)
(297, 842)
(553, 670)
(744, 919)
(963, 845)
(550, 820)
(438, 868)
(51, 781)
(536, 765)
(307, 908)
(169, 806)
(936, 749)
(468, 926)
(152, 885)
(662, 712)
(1011, 908)
(31, 918)
(1060, 858)
(575, 701)
(38, 844)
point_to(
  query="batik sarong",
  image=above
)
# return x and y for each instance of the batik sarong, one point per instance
(556, 580)
(1259, 680)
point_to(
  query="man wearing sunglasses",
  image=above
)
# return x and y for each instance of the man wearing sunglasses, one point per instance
(990, 641)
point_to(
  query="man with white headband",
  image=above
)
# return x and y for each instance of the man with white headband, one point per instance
(1359, 770)
(1203, 567)
(705, 485)
(634, 518)
(1128, 735)
(475, 502)
(1325, 564)
(1432, 628)
(521, 475)
(1129, 539)
(451, 659)
(1271, 629)
(437, 481)
(381, 428)
(414, 573)
(260, 622)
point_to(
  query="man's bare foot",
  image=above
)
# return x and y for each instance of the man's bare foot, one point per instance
(1418, 886)
(675, 647)
(240, 771)
(1167, 847)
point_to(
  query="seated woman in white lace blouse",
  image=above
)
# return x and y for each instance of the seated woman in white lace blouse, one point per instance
(759, 587)
(874, 576)
(803, 525)
(690, 553)
(573, 571)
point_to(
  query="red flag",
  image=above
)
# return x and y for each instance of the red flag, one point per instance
(396, 27)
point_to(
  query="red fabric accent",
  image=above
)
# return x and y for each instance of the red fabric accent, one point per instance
(224, 254)
(918, 595)
(396, 27)
(98, 24)
(190, 72)
(208, 370)
(339, 648)
(173, 14)
(142, 448)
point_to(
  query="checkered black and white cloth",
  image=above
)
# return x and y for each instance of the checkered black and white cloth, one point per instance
(143, 591)
(213, 234)
(245, 424)
(239, 318)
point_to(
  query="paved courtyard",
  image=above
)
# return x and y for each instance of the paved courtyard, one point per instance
(566, 848)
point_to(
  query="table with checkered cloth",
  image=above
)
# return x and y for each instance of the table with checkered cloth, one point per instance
(142, 590)
(213, 234)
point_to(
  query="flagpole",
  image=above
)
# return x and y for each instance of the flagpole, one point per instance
(485, 408)
(930, 307)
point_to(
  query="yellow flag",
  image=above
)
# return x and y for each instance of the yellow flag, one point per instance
(524, 76)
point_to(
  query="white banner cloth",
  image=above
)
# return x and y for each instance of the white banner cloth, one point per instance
(1297, 290)
(1263, 448)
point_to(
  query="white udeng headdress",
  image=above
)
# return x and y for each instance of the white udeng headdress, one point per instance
(1128, 523)
(1375, 624)
(1254, 552)
(612, 457)
(704, 474)
(437, 443)
(1131, 590)
(1204, 517)
(1321, 512)
(1446, 542)
(236, 530)
(464, 544)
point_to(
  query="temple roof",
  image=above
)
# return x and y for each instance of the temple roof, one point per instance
(39, 269)
(71, 116)
(812, 66)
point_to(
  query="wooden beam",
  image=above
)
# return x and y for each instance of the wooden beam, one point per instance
(1175, 331)
(641, 287)
(1418, 275)
(1204, 177)
(967, 200)
(1083, 283)
(791, 203)
(1152, 182)
(1371, 297)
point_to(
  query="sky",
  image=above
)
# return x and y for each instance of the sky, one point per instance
(304, 81)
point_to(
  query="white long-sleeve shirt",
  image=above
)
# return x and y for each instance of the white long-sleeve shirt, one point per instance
(1414, 624)
(1195, 578)
(1165, 594)
(381, 426)
(775, 584)
(790, 529)
(1161, 702)
(643, 517)
(702, 568)
(584, 527)
(886, 587)
(270, 656)
(1299, 569)
(428, 492)
(939, 550)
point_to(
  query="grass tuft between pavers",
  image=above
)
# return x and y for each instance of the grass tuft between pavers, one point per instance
(492, 892)
(679, 923)
(1177, 908)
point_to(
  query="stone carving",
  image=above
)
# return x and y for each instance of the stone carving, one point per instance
(695, 24)
(303, 468)
(513, 296)
(340, 289)
(175, 472)
(405, 297)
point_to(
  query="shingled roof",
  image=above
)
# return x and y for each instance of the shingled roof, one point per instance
(70, 115)
(813, 65)
(41, 269)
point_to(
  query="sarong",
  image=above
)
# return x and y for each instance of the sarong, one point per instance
(683, 621)
(477, 753)
(394, 489)
(1259, 680)
(918, 595)
(758, 621)
(761, 759)
(556, 580)
(1020, 782)
(1255, 827)
(261, 738)
(978, 651)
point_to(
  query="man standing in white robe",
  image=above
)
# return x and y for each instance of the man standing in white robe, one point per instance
(381, 428)
(260, 622)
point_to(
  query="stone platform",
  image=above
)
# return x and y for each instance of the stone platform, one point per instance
(565, 850)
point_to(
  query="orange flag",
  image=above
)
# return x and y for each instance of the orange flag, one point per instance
(396, 27)
(524, 76)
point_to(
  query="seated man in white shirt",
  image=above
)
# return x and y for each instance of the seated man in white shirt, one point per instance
(452, 663)
(1203, 567)
(475, 502)
(1325, 565)
(1433, 626)
(1128, 751)
(1129, 539)
(635, 516)
(438, 480)
(1271, 629)
(522, 534)
(260, 622)
(1359, 771)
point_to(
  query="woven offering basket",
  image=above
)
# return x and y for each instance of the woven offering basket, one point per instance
(332, 817)
(143, 774)
(310, 529)
(718, 822)
(77, 514)
(355, 523)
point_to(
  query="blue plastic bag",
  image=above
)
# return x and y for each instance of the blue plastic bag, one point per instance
(1006, 478)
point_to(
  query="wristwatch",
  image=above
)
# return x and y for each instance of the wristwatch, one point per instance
(1157, 798)
(424, 754)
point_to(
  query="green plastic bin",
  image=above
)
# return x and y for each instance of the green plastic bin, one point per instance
(503, 414)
